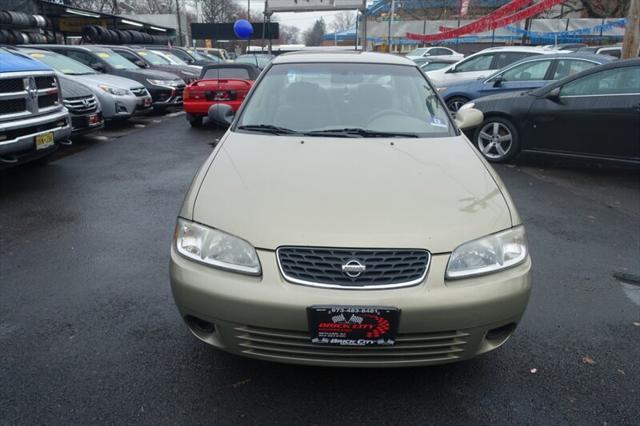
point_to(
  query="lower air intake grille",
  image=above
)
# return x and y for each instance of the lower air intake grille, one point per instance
(353, 268)
(422, 347)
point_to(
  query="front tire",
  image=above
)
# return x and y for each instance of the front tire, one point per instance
(194, 120)
(497, 139)
(456, 102)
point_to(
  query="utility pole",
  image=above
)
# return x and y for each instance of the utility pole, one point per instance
(389, 40)
(179, 23)
(115, 7)
(631, 41)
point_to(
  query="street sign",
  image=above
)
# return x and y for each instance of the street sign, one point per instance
(313, 5)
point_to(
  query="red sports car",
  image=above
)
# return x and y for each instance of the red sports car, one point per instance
(220, 83)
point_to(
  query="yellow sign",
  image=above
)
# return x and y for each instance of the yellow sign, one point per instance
(103, 55)
(37, 55)
(75, 25)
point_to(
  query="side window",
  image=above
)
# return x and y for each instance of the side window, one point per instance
(567, 67)
(535, 70)
(617, 53)
(477, 63)
(440, 51)
(506, 58)
(609, 82)
(81, 57)
(128, 55)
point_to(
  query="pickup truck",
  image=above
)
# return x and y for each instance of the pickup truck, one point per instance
(33, 119)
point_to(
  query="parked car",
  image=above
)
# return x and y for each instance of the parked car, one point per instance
(434, 64)
(224, 83)
(526, 74)
(83, 106)
(188, 56)
(611, 50)
(165, 88)
(591, 115)
(260, 60)
(211, 57)
(145, 58)
(434, 52)
(344, 220)
(119, 97)
(484, 63)
(32, 118)
(220, 53)
(571, 47)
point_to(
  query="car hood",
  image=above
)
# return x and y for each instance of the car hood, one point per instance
(109, 79)
(344, 192)
(72, 89)
(152, 74)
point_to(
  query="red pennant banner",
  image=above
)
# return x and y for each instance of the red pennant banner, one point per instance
(497, 19)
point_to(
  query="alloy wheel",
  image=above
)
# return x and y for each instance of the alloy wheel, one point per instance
(495, 140)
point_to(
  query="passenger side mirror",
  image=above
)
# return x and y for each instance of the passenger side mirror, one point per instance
(497, 82)
(553, 95)
(469, 118)
(141, 63)
(221, 115)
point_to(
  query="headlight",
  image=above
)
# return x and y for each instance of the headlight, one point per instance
(467, 106)
(171, 83)
(440, 89)
(488, 254)
(215, 248)
(114, 90)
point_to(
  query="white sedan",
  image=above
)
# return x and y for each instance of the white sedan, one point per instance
(434, 53)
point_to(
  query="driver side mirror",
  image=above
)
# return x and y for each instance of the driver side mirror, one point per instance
(141, 63)
(221, 115)
(497, 82)
(98, 66)
(553, 95)
(468, 118)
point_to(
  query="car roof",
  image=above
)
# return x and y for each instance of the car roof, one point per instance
(253, 71)
(570, 55)
(342, 56)
(86, 47)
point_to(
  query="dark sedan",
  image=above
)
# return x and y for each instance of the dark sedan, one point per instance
(165, 88)
(526, 74)
(145, 58)
(593, 115)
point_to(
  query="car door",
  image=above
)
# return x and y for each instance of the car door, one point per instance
(520, 77)
(87, 59)
(597, 115)
(132, 57)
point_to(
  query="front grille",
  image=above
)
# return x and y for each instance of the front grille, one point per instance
(408, 347)
(24, 131)
(11, 85)
(46, 82)
(45, 101)
(12, 106)
(81, 105)
(139, 91)
(323, 267)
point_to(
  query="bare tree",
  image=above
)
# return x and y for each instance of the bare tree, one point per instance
(344, 21)
(289, 34)
(218, 11)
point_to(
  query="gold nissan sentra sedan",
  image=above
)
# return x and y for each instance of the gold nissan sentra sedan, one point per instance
(344, 220)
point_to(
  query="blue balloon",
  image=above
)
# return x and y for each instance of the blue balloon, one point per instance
(243, 28)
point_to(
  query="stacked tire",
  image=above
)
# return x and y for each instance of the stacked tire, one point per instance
(100, 35)
(35, 24)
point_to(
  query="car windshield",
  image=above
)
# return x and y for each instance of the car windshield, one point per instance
(63, 64)
(173, 59)
(418, 52)
(117, 61)
(345, 100)
(154, 58)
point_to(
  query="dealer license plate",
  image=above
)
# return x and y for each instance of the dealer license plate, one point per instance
(147, 102)
(353, 325)
(45, 140)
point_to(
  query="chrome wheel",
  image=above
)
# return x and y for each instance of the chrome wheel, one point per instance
(495, 140)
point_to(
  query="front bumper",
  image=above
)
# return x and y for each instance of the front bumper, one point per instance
(200, 108)
(265, 317)
(166, 96)
(83, 123)
(23, 132)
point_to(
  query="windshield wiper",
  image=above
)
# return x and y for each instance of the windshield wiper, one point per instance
(351, 132)
(268, 128)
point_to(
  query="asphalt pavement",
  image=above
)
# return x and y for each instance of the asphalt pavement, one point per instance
(89, 332)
